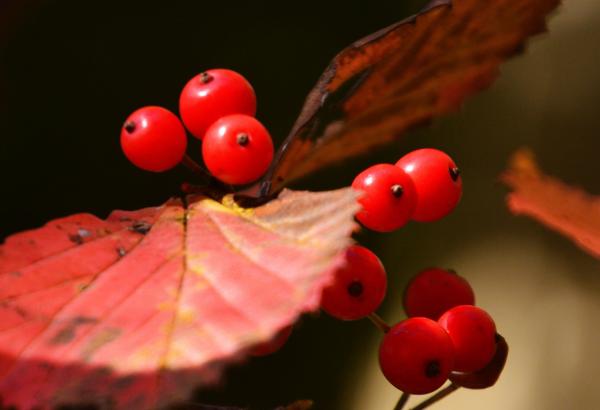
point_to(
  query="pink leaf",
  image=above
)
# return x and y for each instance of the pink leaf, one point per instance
(137, 310)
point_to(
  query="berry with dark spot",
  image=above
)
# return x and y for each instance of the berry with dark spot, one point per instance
(214, 94)
(388, 199)
(473, 333)
(237, 149)
(437, 182)
(433, 291)
(358, 287)
(416, 355)
(153, 139)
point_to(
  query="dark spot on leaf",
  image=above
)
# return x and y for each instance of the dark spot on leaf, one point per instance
(46, 366)
(67, 333)
(124, 219)
(124, 382)
(141, 227)
(82, 287)
(16, 274)
(121, 251)
(21, 312)
(101, 339)
(76, 239)
(17, 309)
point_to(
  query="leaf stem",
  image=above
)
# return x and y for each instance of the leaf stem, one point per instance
(379, 322)
(402, 401)
(437, 397)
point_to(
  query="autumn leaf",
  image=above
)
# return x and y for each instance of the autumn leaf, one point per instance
(403, 76)
(565, 209)
(136, 310)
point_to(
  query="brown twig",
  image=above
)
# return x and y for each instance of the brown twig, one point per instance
(193, 166)
(402, 401)
(379, 322)
(436, 397)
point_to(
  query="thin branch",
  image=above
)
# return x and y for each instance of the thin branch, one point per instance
(437, 397)
(379, 322)
(402, 401)
(193, 166)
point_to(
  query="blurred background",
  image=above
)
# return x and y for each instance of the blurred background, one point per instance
(71, 71)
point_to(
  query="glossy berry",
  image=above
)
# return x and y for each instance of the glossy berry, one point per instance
(274, 344)
(237, 149)
(358, 287)
(433, 291)
(153, 139)
(437, 181)
(416, 355)
(473, 335)
(388, 200)
(214, 94)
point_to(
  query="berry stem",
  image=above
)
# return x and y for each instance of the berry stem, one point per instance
(193, 166)
(379, 322)
(402, 401)
(436, 397)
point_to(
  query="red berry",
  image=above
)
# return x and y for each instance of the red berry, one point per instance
(416, 355)
(153, 139)
(437, 181)
(388, 199)
(473, 334)
(237, 149)
(274, 344)
(433, 291)
(214, 94)
(358, 287)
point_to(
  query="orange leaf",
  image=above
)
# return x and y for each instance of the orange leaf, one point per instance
(136, 310)
(403, 76)
(566, 209)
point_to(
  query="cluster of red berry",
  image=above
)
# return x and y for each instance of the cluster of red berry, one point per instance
(444, 332)
(424, 186)
(217, 107)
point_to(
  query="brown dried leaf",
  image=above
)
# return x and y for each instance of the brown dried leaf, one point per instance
(403, 76)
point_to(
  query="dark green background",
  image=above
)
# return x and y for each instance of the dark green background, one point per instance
(71, 71)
